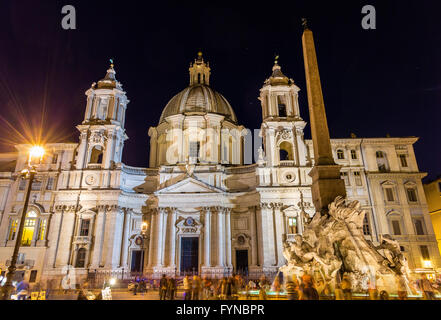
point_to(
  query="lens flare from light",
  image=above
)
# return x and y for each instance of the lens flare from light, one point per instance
(36, 153)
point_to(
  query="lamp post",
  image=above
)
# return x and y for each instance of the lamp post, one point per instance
(27, 173)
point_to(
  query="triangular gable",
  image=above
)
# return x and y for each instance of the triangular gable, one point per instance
(189, 185)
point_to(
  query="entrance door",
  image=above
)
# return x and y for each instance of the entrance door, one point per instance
(242, 261)
(189, 254)
(137, 261)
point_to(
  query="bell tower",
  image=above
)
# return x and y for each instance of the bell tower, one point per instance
(281, 129)
(102, 132)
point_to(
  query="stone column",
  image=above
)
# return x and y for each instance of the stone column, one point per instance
(228, 237)
(110, 149)
(113, 237)
(82, 151)
(207, 238)
(269, 250)
(173, 239)
(124, 243)
(99, 239)
(67, 228)
(53, 237)
(152, 241)
(221, 238)
(160, 232)
(252, 213)
(279, 227)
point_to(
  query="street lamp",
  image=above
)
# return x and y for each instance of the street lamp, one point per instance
(36, 154)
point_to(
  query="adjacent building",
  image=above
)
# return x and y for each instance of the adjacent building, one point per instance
(433, 194)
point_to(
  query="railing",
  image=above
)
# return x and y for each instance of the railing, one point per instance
(287, 163)
(26, 243)
(83, 239)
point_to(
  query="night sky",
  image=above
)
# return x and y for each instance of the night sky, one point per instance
(375, 82)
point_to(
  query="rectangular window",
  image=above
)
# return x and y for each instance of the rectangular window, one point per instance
(411, 195)
(366, 227)
(33, 276)
(403, 160)
(353, 155)
(340, 154)
(282, 110)
(396, 227)
(357, 178)
(42, 229)
(22, 184)
(425, 252)
(36, 185)
(345, 177)
(50, 183)
(418, 223)
(55, 158)
(439, 186)
(21, 258)
(292, 225)
(84, 229)
(12, 229)
(389, 194)
(194, 149)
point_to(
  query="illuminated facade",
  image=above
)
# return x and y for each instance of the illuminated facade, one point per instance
(433, 195)
(199, 207)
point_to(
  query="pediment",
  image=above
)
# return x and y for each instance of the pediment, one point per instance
(189, 185)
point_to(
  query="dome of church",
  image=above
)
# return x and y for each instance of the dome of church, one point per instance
(198, 98)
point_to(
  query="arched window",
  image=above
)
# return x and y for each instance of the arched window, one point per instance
(29, 228)
(96, 156)
(340, 154)
(286, 151)
(81, 258)
(281, 106)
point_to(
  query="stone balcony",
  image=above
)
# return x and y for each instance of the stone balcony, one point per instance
(82, 240)
(28, 263)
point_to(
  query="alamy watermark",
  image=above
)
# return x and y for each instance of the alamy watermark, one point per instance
(369, 21)
(69, 20)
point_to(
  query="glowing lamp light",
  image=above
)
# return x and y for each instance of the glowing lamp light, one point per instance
(36, 152)
(427, 264)
(112, 281)
(144, 226)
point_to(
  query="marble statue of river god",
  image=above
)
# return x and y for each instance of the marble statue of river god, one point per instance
(333, 244)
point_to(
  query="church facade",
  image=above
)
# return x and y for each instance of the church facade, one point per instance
(199, 207)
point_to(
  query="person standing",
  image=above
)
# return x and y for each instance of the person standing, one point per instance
(187, 288)
(195, 288)
(22, 290)
(426, 287)
(346, 286)
(206, 288)
(308, 290)
(162, 287)
(401, 287)
(171, 288)
(292, 288)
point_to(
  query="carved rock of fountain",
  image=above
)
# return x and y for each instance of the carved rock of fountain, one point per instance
(333, 244)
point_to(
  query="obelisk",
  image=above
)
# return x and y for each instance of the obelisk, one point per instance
(326, 181)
